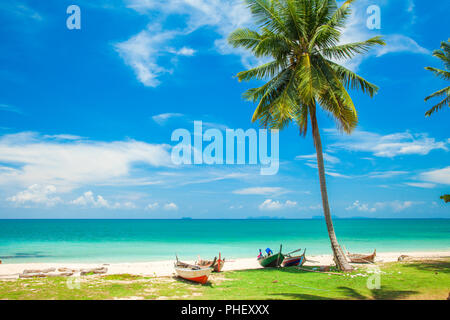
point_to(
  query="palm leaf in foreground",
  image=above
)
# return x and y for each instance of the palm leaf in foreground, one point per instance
(444, 55)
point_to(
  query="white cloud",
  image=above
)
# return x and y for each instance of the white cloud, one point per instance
(357, 30)
(88, 199)
(37, 194)
(23, 11)
(316, 207)
(10, 108)
(260, 191)
(313, 158)
(389, 146)
(30, 159)
(401, 43)
(386, 174)
(271, 205)
(152, 206)
(142, 52)
(214, 125)
(424, 185)
(170, 207)
(185, 51)
(441, 176)
(63, 137)
(332, 173)
(290, 204)
(162, 118)
(214, 176)
(167, 207)
(311, 161)
(128, 205)
(224, 16)
(395, 206)
(364, 207)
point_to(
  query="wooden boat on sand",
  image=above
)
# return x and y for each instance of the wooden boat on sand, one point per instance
(362, 258)
(216, 264)
(192, 272)
(271, 260)
(291, 261)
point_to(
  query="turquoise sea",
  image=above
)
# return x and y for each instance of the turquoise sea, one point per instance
(152, 240)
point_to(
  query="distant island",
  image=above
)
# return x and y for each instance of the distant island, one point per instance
(265, 218)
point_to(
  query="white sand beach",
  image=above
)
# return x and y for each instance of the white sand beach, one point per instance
(165, 268)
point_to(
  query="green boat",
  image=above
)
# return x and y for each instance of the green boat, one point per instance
(271, 260)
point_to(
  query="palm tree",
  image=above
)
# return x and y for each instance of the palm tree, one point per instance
(301, 37)
(444, 55)
(446, 198)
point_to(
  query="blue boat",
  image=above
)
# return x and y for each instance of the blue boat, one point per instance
(292, 261)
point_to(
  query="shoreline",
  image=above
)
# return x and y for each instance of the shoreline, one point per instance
(165, 268)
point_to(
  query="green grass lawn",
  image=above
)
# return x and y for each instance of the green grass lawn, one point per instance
(405, 280)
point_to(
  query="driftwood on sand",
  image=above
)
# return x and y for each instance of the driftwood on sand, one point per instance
(94, 271)
(83, 272)
(39, 271)
(45, 275)
(62, 272)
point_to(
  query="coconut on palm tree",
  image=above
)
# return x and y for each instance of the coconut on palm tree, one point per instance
(444, 55)
(302, 40)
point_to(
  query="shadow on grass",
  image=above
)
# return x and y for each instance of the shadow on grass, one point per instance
(301, 296)
(429, 265)
(380, 294)
(352, 294)
(291, 270)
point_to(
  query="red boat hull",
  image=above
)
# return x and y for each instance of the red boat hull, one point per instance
(294, 261)
(202, 279)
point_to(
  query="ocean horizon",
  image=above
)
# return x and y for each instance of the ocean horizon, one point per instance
(142, 240)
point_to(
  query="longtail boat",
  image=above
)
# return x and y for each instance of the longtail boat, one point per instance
(362, 258)
(271, 260)
(192, 272)
(291, 261)
(216, 264)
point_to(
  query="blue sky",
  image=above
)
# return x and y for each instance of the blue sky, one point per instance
(86, 116)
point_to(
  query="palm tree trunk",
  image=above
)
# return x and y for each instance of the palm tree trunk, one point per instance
(339, 256)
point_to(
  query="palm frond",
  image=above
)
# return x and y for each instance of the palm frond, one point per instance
(265, 14)
(439, 106)
(341, 15)
(349, 50)
(267, 70)
(439, 73)
(335, 99)
(302, 37)
(440, 93)
(443, 55)
(353, 81)
(244, 38)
